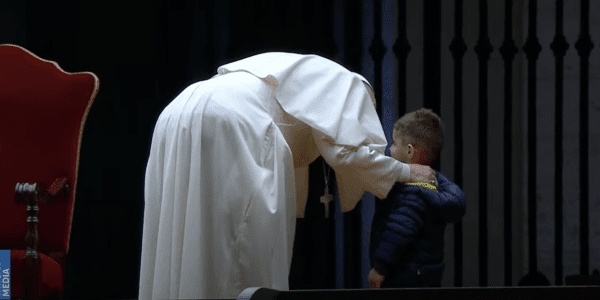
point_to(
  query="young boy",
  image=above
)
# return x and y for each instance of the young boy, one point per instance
(407, 234)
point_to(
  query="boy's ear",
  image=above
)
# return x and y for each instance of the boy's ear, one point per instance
(410, 151)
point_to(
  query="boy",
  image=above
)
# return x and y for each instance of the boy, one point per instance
(407, 237)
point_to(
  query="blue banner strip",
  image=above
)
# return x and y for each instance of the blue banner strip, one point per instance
(4, 274)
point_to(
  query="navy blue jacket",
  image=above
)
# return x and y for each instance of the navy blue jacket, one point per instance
(407, 234)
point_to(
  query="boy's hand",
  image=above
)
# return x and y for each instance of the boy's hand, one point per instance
(422, 173)
(375, 279)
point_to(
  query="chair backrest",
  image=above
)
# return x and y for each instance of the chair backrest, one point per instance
(42, 114)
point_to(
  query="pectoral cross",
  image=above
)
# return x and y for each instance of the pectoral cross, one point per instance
(325, 199)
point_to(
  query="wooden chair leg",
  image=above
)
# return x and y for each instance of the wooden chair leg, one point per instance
(31, 280)
(31, 272)
(32, 195)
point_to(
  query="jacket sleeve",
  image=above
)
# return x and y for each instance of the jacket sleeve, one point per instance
(450, 201)
(398, 229)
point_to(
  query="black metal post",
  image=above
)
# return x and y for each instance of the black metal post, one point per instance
(209, 49)
(532, 49)
(458, 49)
(559, 46)
(483, 50)
(401, 48)
(432, 65)
(432, 28)
(378, 50)
(508, 51)
(584, 46)
(352, 220)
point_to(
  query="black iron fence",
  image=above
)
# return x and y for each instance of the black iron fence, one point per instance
(509, 49)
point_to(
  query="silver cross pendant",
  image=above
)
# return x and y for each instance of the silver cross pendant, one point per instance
(325, 199)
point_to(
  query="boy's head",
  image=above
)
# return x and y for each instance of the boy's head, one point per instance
(418, 137)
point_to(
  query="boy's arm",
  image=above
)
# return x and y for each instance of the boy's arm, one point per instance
(400, 228)
(449, 201)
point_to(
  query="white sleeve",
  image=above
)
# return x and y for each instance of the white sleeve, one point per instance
(368, 168)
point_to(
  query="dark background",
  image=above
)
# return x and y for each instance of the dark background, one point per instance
(146, 52)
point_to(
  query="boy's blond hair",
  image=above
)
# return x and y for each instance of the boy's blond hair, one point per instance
(424, 129)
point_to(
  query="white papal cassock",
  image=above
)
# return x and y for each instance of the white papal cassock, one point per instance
(228, 171)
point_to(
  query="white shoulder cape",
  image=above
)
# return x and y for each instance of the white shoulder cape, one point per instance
(321, 93)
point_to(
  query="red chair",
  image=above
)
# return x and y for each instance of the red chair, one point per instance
(42, 114)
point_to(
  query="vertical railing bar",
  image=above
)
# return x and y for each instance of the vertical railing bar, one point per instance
(584, 109)
(508, 152)
(432, 28)
(532, 48)
(559, 46)
(432, 22)
(508, 51)
(458, 49)
(352, 32)
(584, 46)
(401, 49)
(378, 50)
(532, 185)
(483, 139)
(352, 220)
(210, 38)
(483, 50)
(339, 19)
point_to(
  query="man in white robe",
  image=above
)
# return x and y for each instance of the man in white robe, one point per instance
(228, 171)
